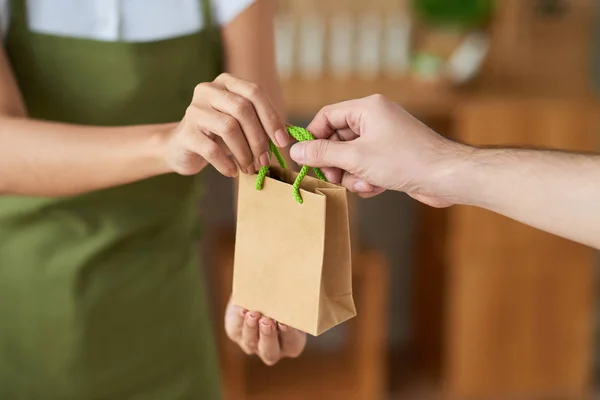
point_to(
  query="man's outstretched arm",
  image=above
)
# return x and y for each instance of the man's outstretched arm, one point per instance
(553, 191)
(373, 144)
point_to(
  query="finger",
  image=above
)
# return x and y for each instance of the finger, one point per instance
(243, 111)
(347, 134)
(230, 131)
(324, 153)
(333, 175)
(198, 143)
(221, 124)
(431, 201)
(377, 191)
(223, 146)
(234, 322)
(250, 333)
(267, 114)
(268, 342)
(356, 185)
(292, 341)
(344, 116)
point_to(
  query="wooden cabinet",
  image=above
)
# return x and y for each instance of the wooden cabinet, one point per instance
(520, 309)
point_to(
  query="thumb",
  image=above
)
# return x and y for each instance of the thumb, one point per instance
(321, 153)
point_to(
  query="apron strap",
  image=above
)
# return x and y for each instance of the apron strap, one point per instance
(18, 14)
(207, 17)
(209, 23)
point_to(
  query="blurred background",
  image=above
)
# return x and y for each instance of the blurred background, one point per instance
(456, 303)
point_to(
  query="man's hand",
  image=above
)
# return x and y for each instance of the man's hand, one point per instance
(374, 144)
(262, 336)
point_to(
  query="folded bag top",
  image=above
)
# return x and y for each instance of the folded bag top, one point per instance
(292, 255)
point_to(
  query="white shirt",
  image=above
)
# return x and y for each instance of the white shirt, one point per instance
(126, 20)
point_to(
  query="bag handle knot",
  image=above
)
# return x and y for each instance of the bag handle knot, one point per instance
(300, 134)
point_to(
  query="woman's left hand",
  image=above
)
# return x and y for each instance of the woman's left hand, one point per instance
(262, 336)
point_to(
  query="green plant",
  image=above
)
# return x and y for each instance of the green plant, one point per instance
(454, 13)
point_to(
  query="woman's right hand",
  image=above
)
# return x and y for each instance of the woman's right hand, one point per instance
(229, 122)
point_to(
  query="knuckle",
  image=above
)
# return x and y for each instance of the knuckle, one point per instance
(240, 105)
(229, 126)
(211, 150)
(272, 116)
(201, 88)
(324, 110)
(254, 90)
(191, 111)
(221, 78)
(262, 144)
(319, 150)
(378, 98)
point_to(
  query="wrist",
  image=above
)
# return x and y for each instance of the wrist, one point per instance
(454, 177)
(471, 174)
(157, 147)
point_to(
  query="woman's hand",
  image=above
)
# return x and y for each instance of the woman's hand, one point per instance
(262, 336)
(228, 124)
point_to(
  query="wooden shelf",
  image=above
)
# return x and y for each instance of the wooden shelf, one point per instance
(304, 97)
(426, 100)
(530, 56)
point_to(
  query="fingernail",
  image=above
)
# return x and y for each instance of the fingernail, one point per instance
(281, 138)
(243, 312)
(264, 159)
(297, 152)
(283, 327)
(252, 320)
(265, 327)
(361, 186)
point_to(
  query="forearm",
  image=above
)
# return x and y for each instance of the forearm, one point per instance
(553, 191)
(250, 54)
(52, 159)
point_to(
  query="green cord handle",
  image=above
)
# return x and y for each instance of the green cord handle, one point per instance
(300, 134)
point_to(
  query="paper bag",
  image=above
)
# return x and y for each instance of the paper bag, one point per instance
(292, 261)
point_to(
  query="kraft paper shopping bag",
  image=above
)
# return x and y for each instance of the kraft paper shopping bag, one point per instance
(292, 260)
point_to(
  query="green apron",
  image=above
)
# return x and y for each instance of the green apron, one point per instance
(101, 295)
